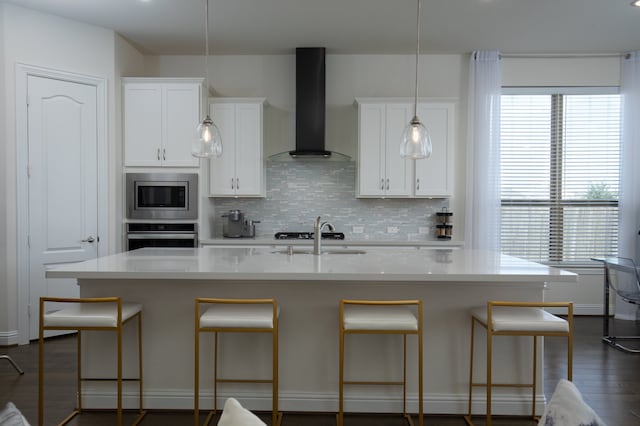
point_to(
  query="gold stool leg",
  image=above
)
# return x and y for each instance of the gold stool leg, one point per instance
(467, 418)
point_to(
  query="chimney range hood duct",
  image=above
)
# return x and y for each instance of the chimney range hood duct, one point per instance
(310, 109)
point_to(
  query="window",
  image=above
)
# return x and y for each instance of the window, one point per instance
(560, 167)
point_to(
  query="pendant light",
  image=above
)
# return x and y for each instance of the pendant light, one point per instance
(416, 143)
(208, 142)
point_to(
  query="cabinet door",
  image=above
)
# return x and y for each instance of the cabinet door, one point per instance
(371, 149)
(142, 123)
(181, 105)
(249, 162)
(222, 170)
(399, 176)
(434, 175)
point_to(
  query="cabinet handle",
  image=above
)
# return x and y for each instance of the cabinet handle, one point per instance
(387, 184)
(382, 184)
(232, 186)
(164, 154)
(418, 185)
(158, 154)
(237, 183)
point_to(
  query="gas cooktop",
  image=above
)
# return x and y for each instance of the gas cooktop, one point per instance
(308, 236)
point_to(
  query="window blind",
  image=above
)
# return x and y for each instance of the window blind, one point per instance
(560, 157)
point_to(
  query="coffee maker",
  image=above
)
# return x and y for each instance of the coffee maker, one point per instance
(236, 226)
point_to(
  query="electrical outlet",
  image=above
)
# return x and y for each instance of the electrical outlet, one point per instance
(392, 229)
(423, 229)
(358, 229)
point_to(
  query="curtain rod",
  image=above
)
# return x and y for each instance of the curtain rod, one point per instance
(560, 55)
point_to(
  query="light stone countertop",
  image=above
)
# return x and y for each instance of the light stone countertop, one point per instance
(341, 243)
(274, 264)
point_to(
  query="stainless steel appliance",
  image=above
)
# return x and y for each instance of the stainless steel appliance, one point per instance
(141, 235)
(162, 195)
(236, 226)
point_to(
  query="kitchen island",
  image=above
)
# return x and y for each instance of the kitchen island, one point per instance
(308, 289)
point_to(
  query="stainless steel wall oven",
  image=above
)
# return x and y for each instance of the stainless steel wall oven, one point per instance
(140, 235)
(162, 196)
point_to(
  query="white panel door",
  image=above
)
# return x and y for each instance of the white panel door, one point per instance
(222, 172)
(63, 220)
(182, 115)
(249, 165)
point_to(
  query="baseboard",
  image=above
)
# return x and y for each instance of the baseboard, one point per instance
(9, 338)
(320, 402)
(582, 309)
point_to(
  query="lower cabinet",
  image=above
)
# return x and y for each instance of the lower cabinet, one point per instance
(240, 171)
(381, 171)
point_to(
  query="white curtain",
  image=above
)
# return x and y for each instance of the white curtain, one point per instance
(629, 197)
(482, 216)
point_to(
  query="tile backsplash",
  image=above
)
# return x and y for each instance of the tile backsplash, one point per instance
(298, 192)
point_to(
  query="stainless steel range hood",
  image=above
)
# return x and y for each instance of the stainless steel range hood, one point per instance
(310, 109)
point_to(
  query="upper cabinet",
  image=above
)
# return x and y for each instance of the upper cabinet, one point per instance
(160, 117)
(381, 170)
(240, 171)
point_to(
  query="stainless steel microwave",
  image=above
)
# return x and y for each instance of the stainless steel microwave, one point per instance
(162, 195)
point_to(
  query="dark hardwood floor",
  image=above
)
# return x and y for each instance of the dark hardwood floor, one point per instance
(608, 379)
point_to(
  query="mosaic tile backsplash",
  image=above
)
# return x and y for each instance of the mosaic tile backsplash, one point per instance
(298, 192)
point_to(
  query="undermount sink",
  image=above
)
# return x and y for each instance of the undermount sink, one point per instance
(329, 251)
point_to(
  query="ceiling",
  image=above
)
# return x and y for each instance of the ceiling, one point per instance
(553, 27)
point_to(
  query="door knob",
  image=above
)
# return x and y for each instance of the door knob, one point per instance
(90, 239)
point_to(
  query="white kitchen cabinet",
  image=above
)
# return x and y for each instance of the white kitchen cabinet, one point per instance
(434, 175)
(159, 120)
(381, 170)
(240, 171)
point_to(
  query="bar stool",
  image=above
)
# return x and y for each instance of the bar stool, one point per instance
(382, 317)
(518, 319)
(235, 316)
(103, 314)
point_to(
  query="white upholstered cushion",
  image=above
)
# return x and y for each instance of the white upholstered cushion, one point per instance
(90, 315)
(567, 408)
(378, 317)
(11, 416)
(235, 414)
(525, 319)
(250, 315)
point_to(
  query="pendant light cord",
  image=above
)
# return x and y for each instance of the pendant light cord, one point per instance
(206, 46)
(415, 100)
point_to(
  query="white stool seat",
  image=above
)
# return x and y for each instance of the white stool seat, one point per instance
(90, 315)
(519, 319)
(238, 316)
(373, 317)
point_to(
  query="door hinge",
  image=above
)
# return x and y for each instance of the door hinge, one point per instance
(29, 170)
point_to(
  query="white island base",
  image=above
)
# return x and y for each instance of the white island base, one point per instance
(308, 289)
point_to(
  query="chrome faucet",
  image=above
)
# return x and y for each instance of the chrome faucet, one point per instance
(317, 234)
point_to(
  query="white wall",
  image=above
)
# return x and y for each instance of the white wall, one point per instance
(4, 296)
(129, 62)
(46, 41)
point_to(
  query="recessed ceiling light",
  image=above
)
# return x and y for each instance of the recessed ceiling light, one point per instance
(635, 3)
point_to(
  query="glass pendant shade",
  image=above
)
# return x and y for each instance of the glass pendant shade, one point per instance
(416, 143)
(208, 142)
